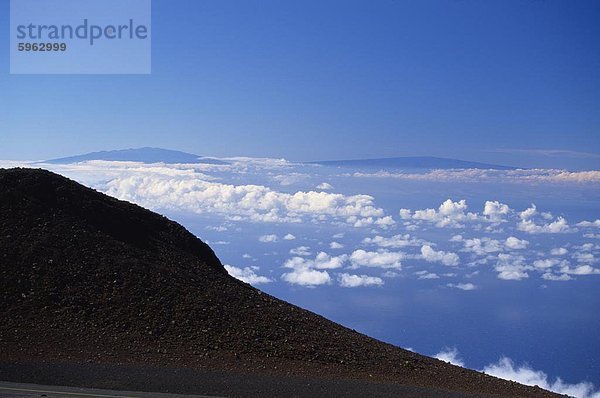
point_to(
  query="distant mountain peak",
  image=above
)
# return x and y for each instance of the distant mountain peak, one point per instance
(145, 155)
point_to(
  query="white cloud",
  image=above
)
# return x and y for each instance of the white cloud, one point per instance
(449, 214)
(427, 275)
(301, 251)
(450, 355)
(560, 225)
(514, 243)
(455, 215)
(307, 272)
(188, 190)
(307, 277)
(495, 211)
(289, 179)
(511, 267)
(528, 223)
(529, 212)
(547, 263)
(348, 280)
(589, 224)
(268, 238)
(462, 286)
(325, 261)
(506, 369)
(247, 274)
(584, 257)
(380, 259)
(289, 237)
(336, 245)
(219, 228)
(321, 261)
(580, 270)
(446, 258)
(385, 222)
(324, 186)
(529, 176)
(553, 277)
(559, 251)
(396, 241)
(482, 246)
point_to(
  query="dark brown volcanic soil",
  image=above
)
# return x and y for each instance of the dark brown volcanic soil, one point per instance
(85, 278)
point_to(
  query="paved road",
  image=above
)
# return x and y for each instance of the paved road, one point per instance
(195, 383)
(20, 390)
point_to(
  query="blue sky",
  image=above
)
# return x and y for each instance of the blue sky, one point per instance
(333, 79)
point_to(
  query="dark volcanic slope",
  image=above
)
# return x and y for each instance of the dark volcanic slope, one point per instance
(87, 278)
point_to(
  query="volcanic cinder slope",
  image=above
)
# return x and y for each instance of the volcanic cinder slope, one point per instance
(88, 279)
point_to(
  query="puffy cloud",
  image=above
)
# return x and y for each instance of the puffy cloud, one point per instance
(321, 261)
(289, 237)
(446, 258)
(511, 267)
(454, 214)
(560, 225)
(336, 245)
(247, 274)
(529, 225)
(514, 243)
(324, 260)
(348, 280)
(301, 251)
(529, 212)
(307, 277)
(584, 257)
(547, 263)
(427, 275)
(385, 222)
(580, 270)
(495, 211)
(192, 192)
(506, 369)
(450, 355)
(559, 251)
(549, 276)
(589, 224)
(219, 228)
(449, 214)
(482, 246)
(307, 272)
(324, 186)
(268, 238)
(379, 259)
(462, 286)
(395, 242)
